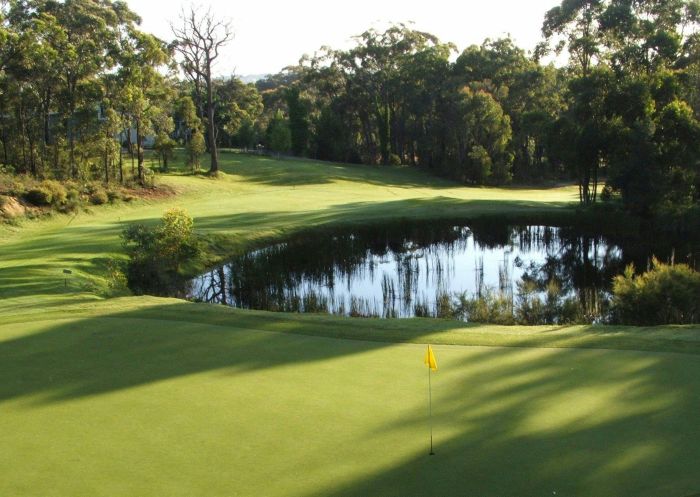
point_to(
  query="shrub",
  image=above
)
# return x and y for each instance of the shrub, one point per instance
(666, 294)
(99, 197)
(73, 201)
(156, 255)
(59, 194)
(47, 193)
(607, 194)
(491, 307)
(394, 160)
(39, 196)
(113, 195)
(195, 147)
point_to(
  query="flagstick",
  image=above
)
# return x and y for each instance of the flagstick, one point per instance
(430, 411)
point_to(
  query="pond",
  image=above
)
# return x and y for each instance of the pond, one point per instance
(435, 269)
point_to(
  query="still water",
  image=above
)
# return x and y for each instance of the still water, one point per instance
(408, 270)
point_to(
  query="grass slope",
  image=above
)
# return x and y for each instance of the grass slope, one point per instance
(259, 198)
(147, 396)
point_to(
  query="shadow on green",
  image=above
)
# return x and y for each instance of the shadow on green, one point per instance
(510, 421)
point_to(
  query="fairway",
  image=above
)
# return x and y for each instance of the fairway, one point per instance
(258, 199)
(104, 396)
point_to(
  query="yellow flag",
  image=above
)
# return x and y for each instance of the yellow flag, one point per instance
(430, 359)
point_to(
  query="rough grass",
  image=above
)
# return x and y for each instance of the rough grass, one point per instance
(148, 396)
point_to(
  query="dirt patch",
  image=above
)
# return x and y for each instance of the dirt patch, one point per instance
(11, 208)
(160, 192)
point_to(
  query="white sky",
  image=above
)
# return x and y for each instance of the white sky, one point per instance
(273, 34)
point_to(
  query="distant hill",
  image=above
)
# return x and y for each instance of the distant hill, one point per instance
(252, 78)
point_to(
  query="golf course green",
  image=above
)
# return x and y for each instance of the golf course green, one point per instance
(105, 394)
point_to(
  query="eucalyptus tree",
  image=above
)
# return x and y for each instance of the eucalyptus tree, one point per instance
(190, 130)
(629, 60)
(236, 104)
(199, 40)
(374, 84)
(298, 108)
(477, 135)
(144, 90)
(530, 94)
(87, 31)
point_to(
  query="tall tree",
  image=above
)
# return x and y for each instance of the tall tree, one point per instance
(200, 38)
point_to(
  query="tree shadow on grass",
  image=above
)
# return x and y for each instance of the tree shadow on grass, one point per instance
(295, 171)
(24, 268)
(303, 172)
(570, 423)
(509, 421)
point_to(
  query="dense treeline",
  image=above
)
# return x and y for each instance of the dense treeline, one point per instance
(626, 106)
(83, 91)
(73, 76)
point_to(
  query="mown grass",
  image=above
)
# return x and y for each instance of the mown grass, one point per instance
(256, 199)
(149, 396)
(146, 396)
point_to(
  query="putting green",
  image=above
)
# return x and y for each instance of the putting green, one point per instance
(120, 403)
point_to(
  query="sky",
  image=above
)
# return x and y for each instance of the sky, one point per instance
(273, 34)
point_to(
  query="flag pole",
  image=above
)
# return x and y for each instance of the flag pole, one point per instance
(430, 410)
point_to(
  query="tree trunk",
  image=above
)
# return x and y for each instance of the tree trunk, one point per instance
(139, 154)
(70, 129)
(121, 165)
(107, 159)
(214, 167)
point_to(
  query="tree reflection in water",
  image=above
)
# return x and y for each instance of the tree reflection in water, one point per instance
(427, 269)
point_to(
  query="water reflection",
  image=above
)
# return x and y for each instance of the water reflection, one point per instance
(429, 269)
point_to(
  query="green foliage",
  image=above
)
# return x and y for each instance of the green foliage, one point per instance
(39, 196)
(195, 148)
(239, 106)
(156, 255)
(65, 90)
(165, 147)
(99, 197)
(489, 307)
(47, 193)
(279, 135)
(665, 294)
(298, 122)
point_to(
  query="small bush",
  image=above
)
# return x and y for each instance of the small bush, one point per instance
(394, 160)
(59, 193)
(608, 193)
(73, 201)
(47, 193)
(39, 196)
(114, 195)
(666, 294)
(491, 307)
(156, 255)
(99, 197)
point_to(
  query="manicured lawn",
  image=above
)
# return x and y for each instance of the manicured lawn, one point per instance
(259, 198)
(158, 397)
